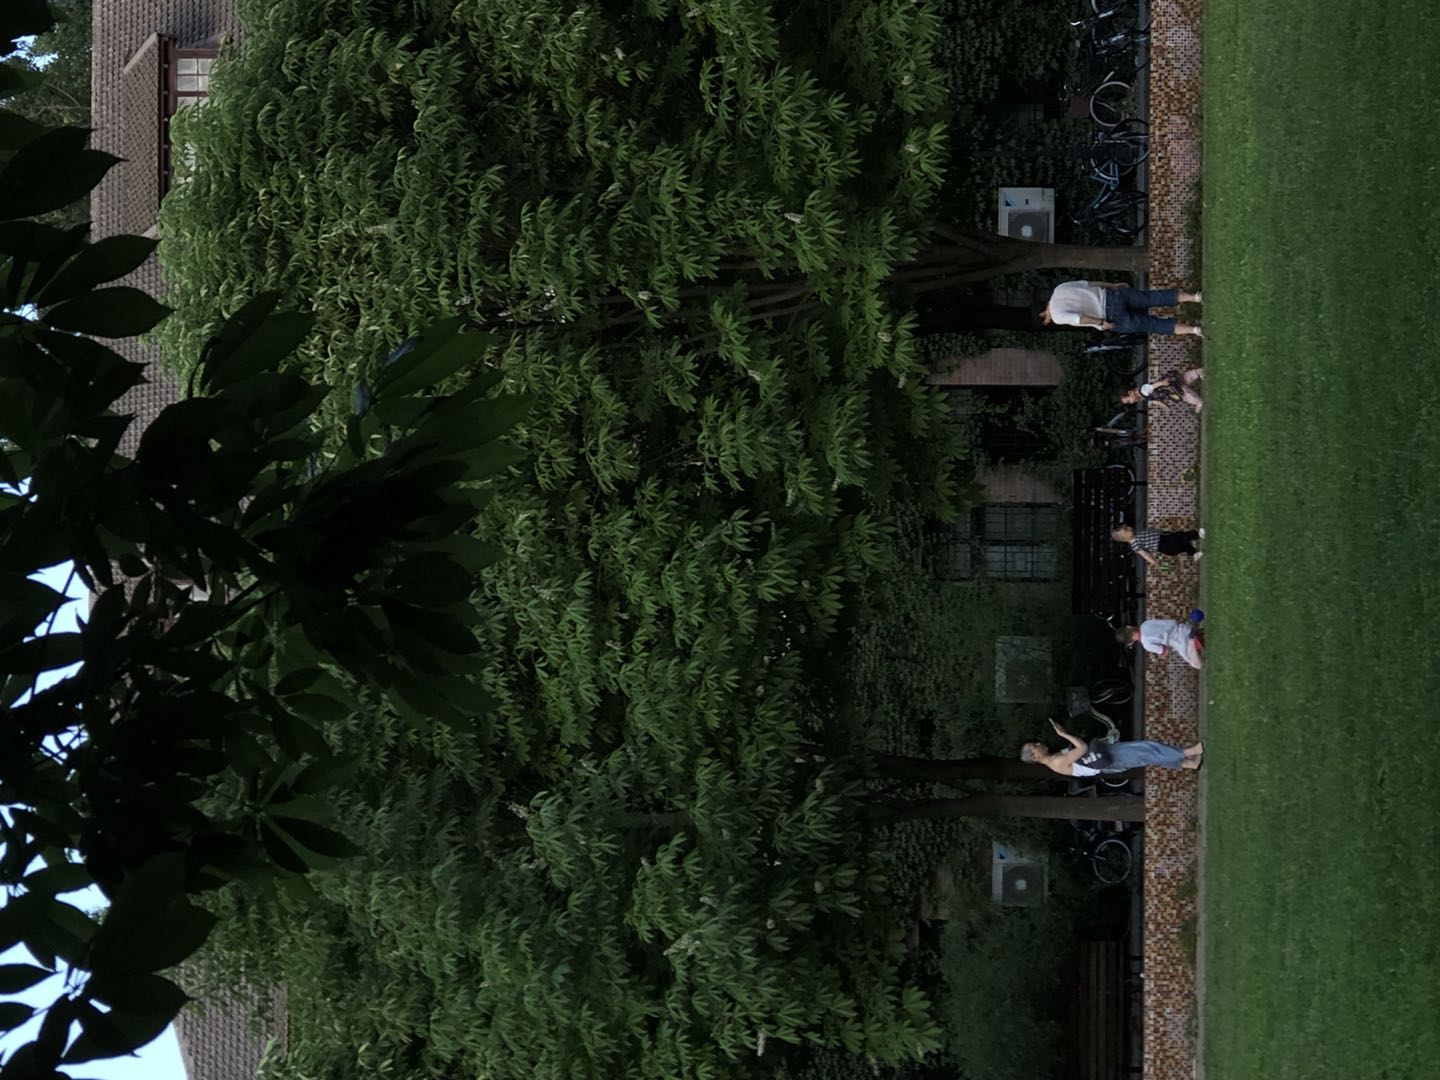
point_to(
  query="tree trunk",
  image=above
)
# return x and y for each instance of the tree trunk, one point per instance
(1103, 808)
(929, 770)
(956, 770)
(946, 315)
(965, 256)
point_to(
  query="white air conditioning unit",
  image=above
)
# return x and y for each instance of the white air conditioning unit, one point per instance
(1016, 880)
(1028, 213)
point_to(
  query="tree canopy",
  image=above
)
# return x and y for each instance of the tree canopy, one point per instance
(678, 220)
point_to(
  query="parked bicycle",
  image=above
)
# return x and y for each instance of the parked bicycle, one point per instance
(1123, 353)
(1112, 214)
(1106, 850)
(1120, 150)
(1111, 54)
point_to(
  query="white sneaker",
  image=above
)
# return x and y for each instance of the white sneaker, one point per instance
(1199, 555)
(1201, 531)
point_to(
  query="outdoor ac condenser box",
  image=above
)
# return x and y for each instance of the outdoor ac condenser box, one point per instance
(1028, 213)
(1016, 880)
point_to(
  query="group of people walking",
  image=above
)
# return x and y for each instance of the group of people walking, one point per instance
(1111, 306)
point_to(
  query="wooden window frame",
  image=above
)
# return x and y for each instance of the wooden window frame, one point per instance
(171, 96)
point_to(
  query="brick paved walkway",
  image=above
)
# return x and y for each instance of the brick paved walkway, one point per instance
(1172, 689)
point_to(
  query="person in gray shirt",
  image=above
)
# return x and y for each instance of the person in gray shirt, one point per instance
(1160, 636)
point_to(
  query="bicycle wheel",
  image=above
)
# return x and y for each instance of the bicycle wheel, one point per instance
(1121, 8)
(1112, 860)
(1111, 692)
(1109, 103)
(1128, 362)
(1123, 147)
(1123, 214)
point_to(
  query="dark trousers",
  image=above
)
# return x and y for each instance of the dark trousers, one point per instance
(1128, 309)
(1179, 543)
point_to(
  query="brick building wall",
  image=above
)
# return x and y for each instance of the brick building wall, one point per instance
(999, 367)
(1172, 689)
(124, 111)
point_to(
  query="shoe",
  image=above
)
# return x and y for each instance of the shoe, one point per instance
(1201, 531)
(1199, 298)
(1199, 555)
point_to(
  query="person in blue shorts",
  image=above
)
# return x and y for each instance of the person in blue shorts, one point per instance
(1109, 305)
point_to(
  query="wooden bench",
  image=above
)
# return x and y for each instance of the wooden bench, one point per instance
(1096, 1032)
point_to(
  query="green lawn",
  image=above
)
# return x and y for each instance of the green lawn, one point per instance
(1322, 232)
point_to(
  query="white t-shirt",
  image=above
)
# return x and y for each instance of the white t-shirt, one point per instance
(1076, 298)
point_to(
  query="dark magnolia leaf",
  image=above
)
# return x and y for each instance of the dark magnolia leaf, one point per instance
(146, 995)
(326, 773)
(482, 423)
(60, 878)
(199, 622)
(296, 736)
(117, 312)
(43, 654)
(16, 130)
(171, 935)
(263, 349)
(132, 565)
(446, 633)
(440, 351)
(115, 1033)
(241, 324)
(472, 554)
(319, 846)
(105, 260)
(153, 887)
(15, 79)
(25, 603)
(297, 680)
(50, 171)
(13, 1014)
(181, 428)
(25, 17)
(17, 977)
(303, 808)
(37, 251)
(319, 707)
(283, 851)
(431, 579)
(107, 616)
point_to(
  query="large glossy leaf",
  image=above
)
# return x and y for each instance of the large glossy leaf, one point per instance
(25, 17)
(440, 351)
(275, 338)
(43, 654)
(25, 603)
(115, 1033)
(17, 977)
(51, 171)
(13, 1014)
(117, 312)
(105, 260)
(142, 994)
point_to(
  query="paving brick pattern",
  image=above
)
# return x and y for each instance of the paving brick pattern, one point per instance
(1171, 688)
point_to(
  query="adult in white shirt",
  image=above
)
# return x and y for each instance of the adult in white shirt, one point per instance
(1160, 636)
(1110, 305)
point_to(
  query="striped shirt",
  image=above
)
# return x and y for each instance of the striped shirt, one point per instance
(1146, 540)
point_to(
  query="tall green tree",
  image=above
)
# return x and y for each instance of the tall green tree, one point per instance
(679, 221)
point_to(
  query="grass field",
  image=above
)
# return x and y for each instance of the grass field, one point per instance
(1322, 233)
